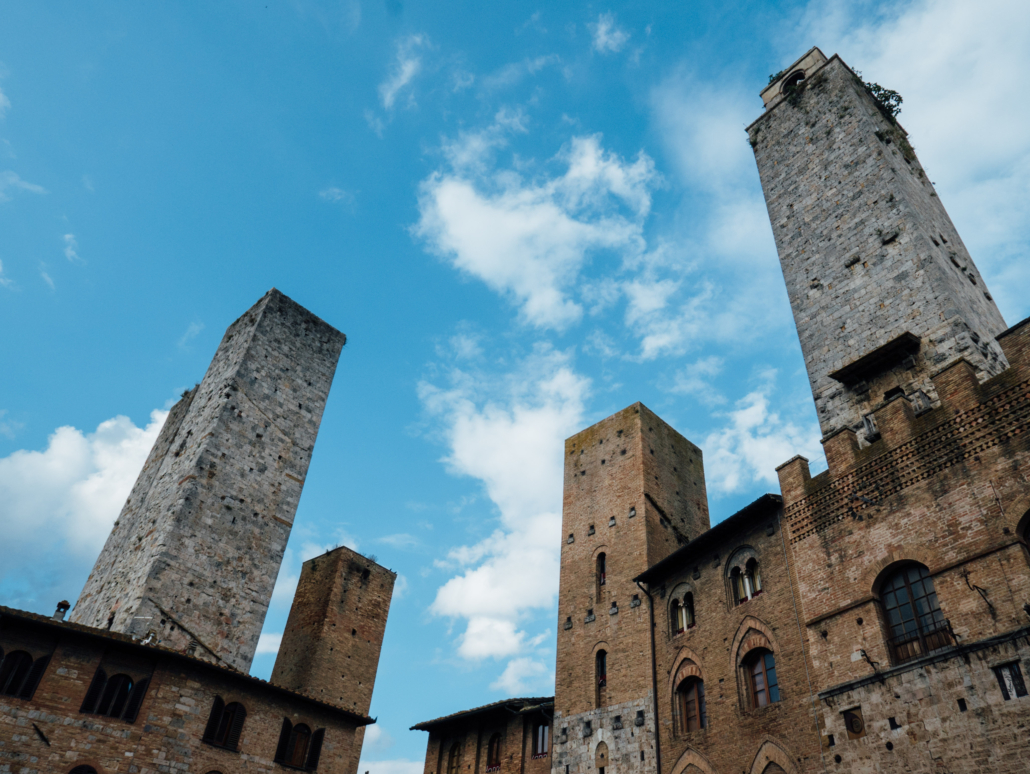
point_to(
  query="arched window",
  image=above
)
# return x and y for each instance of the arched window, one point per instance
(916, 623)
(14, 670)
(454, 758)
(792, 81)
(225, 724)
(493, 753)
(691, 697)
(115, 697)
(601, 672)
(83, 770)
(601, 757)
(761, 672)
(602, 572)
(747, 584)
(298, 746)
(541, 740)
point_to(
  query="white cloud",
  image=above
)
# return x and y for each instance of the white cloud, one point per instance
(5, 282)
(609, 38)
(7, 426)
(334, 194)
(961, 69)
(269, 642)
(522, 675)
(5, 103)
(407, 65)
(62, 501)
(695, 381)
(10, 182)
(528, 240)
(377, 739)
(46, 277)
(753, 442)
(509, 434)
(71, 248)
(513, 73)
(192, 331)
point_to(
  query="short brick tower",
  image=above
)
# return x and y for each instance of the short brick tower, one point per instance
(331, 644)
(192, 559)
(853, 213)
(634, 492)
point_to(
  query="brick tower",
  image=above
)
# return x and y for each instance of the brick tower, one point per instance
(194, 555)
(853, 213)
(634, 492)
(330, 648)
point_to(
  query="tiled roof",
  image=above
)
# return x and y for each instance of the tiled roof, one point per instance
(515, 705)
(131, 642)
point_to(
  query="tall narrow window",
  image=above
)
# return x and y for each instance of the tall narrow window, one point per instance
(601, 672)
(1010, 680)
(688, 610)
(691, 694)
(541, 740)
(602, 572)
(454, 758)
(14, 670)
(747, 584)
(761, 668)
(493, 753)
(676, 611)
(917, 625)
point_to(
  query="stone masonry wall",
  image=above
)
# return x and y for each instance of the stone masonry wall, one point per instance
(196, 551)
(48, 735)
(853, 213)
(631, 748)
(333, 637)
(473, 734)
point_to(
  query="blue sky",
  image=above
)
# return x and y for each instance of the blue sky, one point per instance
(524, 217)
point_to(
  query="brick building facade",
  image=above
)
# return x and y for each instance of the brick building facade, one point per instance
(875, 617)
(148, 675)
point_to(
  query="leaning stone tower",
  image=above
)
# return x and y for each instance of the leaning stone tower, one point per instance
(634, 493)
(853, 213)
(194, 555)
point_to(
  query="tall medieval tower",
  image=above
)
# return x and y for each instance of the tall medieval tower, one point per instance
(634, 492)
(853, 213)
(194, 555)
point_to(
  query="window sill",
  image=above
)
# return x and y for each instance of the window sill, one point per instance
(221, 746)
(291, 767)
(540, 756)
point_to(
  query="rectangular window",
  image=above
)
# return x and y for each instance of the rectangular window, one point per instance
(1010, 679)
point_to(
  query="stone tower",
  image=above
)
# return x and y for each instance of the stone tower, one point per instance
(192, 559)
(853, 213)
(634, 492)
(330, 648)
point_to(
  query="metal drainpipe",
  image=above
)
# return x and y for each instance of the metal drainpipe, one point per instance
(654, 684)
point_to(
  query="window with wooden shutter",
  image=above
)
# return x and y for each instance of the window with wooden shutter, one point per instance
(213, 720)
(300, 740)
(315, 749)
(93, 694)
(14, 670)
(285, 735)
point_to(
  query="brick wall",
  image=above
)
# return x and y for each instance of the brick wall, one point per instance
(48, 735)
(472, 735)
(333, 637)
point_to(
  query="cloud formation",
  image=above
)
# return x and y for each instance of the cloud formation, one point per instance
(609, 38)
(71, 248)
(529, 239)
(508, 433)
(406, 66)
(11, 183)
(62, 502)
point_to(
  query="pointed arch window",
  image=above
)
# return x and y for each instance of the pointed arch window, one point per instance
(691, 698)
(493, 753)
(764, 685)
(601, 572)
(601, 674)
(916, 623)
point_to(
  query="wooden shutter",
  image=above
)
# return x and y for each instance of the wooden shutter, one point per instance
(214, 719)
(139, 690)
(233, 740)
(35, 674)
(315, 749)
(96, 688)
(284, 740)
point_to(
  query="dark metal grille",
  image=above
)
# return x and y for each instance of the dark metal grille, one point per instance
(917, 625)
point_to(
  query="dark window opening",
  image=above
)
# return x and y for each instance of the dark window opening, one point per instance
(19, 674)
(298, 747)
(601, 674)
(454, 759)
(225, 724)
(792, 81)
(1010, 680)
(493, 753)
(761, 668)
(691, 699)
(541, 740)
(917, 625)
(116, 697)
(602, 571)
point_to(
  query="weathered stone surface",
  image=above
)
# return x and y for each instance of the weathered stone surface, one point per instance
(194, 555)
